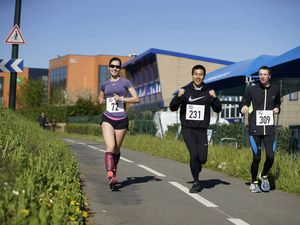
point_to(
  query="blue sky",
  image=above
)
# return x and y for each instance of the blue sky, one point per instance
(232, 30)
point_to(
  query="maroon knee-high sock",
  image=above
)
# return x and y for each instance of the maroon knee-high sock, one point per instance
(109, 161)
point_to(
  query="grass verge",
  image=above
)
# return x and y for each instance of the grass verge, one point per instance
(39, 176)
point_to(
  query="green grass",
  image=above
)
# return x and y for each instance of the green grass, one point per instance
(39, 176)
(284, 175)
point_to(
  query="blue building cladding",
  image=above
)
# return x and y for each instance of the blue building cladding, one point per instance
(145, 78)
(143, 73)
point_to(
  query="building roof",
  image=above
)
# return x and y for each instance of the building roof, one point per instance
(154, 51)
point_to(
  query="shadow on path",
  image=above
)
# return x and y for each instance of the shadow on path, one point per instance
(134, 180)
(208, 184)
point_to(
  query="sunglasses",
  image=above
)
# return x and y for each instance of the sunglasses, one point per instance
(115, 66)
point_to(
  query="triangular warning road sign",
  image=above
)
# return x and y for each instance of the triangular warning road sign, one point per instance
(15, 36)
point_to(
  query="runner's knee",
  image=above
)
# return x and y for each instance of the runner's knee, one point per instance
(203, 161)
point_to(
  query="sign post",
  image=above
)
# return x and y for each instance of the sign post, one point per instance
(14, 55)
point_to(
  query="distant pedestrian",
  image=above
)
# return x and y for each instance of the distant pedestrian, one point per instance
(43, 121)
(195, 100)
(114, 92)
(261, 102)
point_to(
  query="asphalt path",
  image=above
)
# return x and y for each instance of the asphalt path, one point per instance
(154, 191)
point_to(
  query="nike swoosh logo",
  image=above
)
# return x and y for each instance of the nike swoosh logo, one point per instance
(195, 99)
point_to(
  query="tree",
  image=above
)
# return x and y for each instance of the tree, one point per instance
(32, 93)
(58, 96)
(85, 106)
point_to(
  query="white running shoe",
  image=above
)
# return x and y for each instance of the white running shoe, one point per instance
(265, 185)
(254, 187)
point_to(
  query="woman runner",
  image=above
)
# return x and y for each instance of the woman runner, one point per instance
(114, 92)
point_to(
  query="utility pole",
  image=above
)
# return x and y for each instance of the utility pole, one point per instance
(14, 55)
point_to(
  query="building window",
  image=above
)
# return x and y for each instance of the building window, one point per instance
(230, 108)
(293, 96)
(294, 145)
(58, 84)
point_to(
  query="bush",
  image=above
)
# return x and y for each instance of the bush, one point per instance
(85, 119)
(283, 139)
(172, 132)
(84, 111)
(92, 129)
(234, 130)
(240, 133)
(141, 122)
(84, 107)
(58, 113)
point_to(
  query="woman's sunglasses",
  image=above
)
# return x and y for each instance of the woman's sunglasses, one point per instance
(115, 66)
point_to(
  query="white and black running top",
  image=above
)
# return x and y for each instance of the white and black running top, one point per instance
(263, 100)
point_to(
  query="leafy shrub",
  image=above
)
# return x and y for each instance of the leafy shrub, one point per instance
(141, 122)
(84, 107)
(85, 119)
(234, 130)
(58, 113)
(92, 129)
(283, 139)
(84, 110)
(172, 132)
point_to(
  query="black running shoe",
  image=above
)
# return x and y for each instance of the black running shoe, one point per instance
(195, 187)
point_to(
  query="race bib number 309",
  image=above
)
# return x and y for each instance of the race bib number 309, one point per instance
(264, 118)
(195, 112)
(113, 106)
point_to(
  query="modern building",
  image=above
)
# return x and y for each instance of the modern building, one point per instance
(71, 76)
(157, 73)
(27, 74)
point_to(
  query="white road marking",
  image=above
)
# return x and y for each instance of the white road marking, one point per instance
(237, 221)
(99, 149)
(126, 160)
(151, 170)
(195, 196)
(81, 143)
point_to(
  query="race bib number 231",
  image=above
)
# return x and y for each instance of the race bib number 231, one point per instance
(195, 112)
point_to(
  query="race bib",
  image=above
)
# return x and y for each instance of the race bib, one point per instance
(113, 106)
(264, 118)
(194, 112)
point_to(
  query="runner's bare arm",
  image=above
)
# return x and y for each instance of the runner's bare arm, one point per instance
(133, 99)
(101, 98)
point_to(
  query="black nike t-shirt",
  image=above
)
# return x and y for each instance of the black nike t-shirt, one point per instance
(195, 106)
